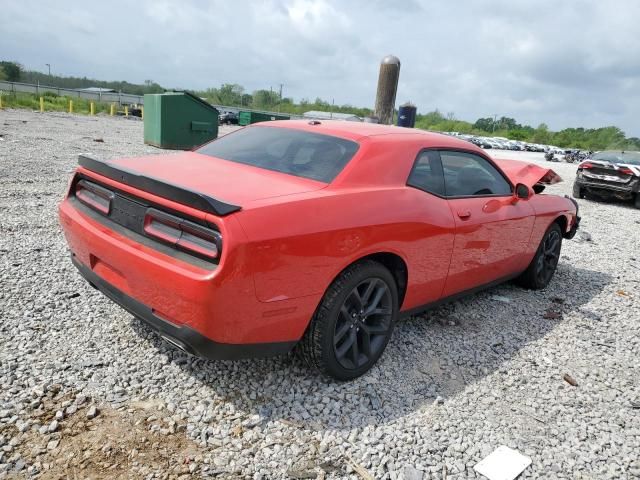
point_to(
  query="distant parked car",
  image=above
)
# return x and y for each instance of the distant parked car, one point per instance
(609, 174)
(135, 111)
(554, 150)
(228, 118)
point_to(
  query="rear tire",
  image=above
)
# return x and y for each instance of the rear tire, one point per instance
(353, 323)
(578, 191)
(541, 269)
(636, 202)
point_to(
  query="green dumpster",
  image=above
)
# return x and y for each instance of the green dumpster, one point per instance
(178, 120)
(248, 117)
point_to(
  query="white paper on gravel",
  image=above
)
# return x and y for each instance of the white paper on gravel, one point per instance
(503, 464)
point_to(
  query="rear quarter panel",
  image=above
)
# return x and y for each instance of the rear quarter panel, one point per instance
(299, 245)
(297, 249)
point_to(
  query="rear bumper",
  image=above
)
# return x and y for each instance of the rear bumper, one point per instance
(631, 187)
(219, 304)
(182, 337)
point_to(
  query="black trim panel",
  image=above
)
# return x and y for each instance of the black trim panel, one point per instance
(456, 296)
(181, 195)
(184, 338)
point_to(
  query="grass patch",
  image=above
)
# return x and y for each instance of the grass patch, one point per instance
(54, 103)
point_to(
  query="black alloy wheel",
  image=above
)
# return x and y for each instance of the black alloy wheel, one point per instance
(353, 323)
(544, 263)
(578, 191)
(363, 323)
(547, 262)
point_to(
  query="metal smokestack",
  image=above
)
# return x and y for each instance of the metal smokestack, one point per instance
(387, 88)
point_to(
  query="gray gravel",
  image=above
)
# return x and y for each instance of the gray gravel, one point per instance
(453, 385)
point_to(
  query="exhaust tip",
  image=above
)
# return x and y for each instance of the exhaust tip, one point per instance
(177, 344)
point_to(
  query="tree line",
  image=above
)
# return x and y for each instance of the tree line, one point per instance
(234, 95)
(602, 138)
(14, 72)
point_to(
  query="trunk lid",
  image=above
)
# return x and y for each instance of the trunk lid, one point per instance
(226, 181)
(607, 171)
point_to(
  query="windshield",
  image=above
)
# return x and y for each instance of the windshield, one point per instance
(631, 158)
(295, 152)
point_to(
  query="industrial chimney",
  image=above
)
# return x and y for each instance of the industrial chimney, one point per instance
(387, 88)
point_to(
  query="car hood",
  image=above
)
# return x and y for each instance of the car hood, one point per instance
(221, 179)
(528, 173)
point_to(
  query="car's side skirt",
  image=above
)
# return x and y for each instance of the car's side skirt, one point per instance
(456, 296)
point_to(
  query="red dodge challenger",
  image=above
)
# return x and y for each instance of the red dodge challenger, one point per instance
(308, 234)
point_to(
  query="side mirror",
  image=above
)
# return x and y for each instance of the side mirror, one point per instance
(522, 191)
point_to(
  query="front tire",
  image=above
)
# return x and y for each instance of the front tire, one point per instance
(541, 269)
(353, 323)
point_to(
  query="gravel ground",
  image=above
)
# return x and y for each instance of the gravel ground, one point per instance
(87, 391)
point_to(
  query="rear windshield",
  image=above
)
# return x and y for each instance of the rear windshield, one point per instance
(631, 158)
(304, 154)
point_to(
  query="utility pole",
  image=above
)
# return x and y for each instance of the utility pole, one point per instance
(49, 67)
(280, 101)
(495, 117)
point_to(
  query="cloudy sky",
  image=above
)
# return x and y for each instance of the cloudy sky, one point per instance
(571, 63)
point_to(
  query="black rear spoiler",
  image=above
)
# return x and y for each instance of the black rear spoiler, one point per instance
(196, 200)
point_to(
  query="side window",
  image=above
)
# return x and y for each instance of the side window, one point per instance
(427, 173)
(466, 174)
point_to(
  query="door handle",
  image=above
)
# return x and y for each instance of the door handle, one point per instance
(464, 214)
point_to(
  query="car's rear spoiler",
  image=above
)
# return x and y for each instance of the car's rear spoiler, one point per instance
(163, 189)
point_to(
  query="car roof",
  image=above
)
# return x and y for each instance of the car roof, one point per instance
(358, 130)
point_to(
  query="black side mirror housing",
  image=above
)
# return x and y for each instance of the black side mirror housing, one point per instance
(522, 191)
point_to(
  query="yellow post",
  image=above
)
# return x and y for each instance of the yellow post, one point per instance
(126, 111)
(141, 113)
(112, 111)
(70, 106)
(92, 107)
(41, 104)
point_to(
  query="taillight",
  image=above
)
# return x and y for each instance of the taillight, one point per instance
(162, 226)
(182, 234)
(199, 239)
(625, 170)
(586, 165)
(94, 196)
